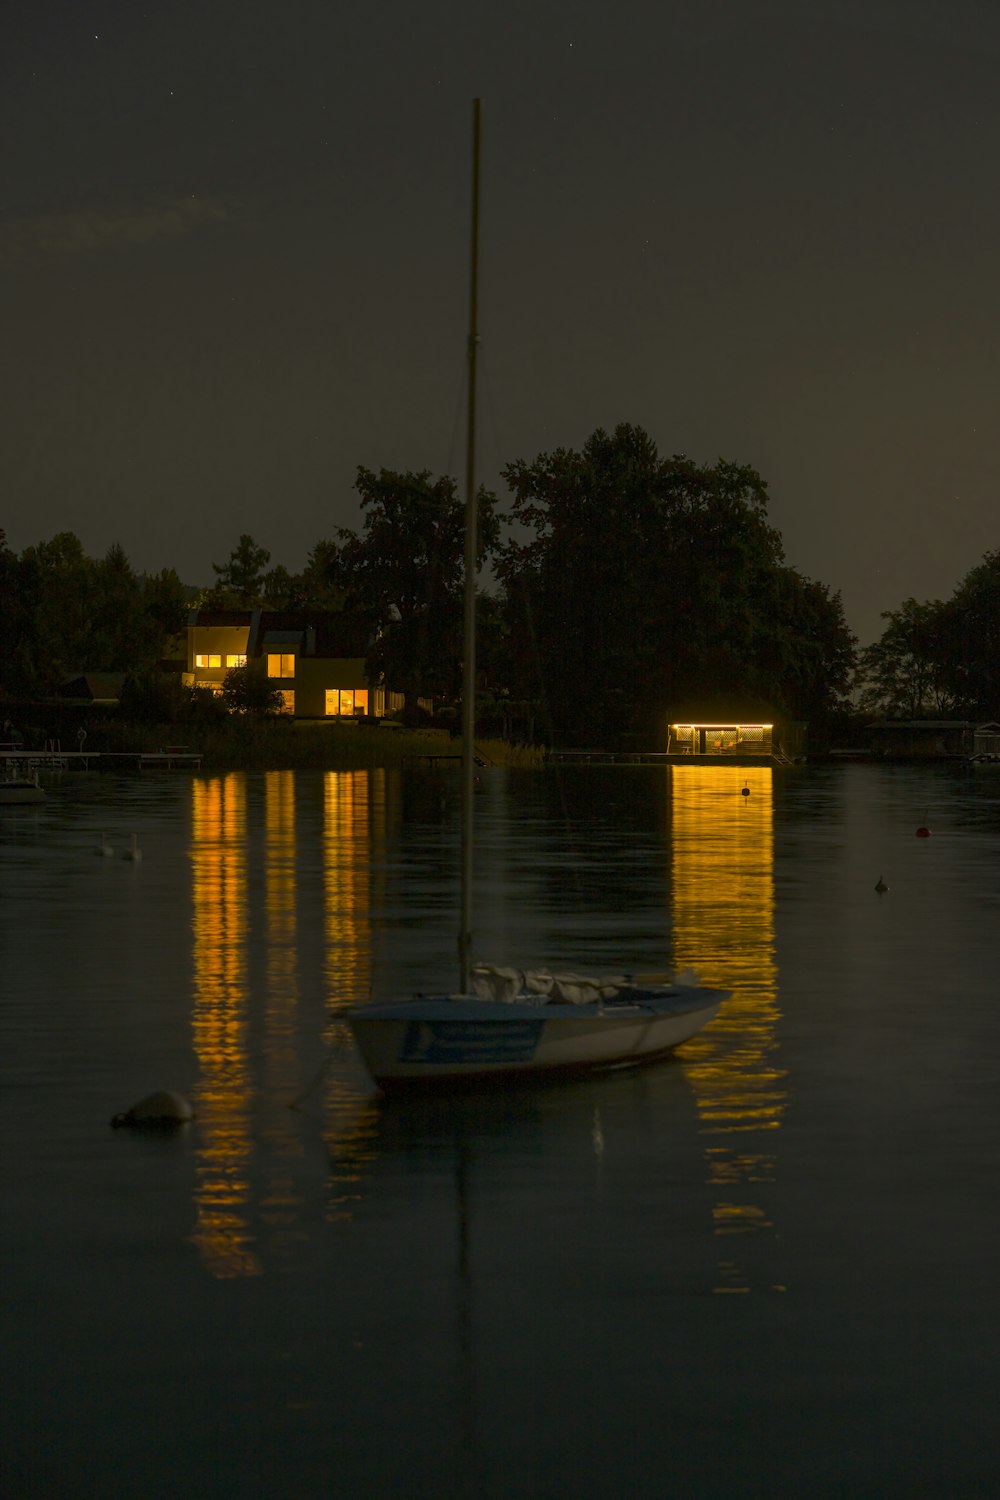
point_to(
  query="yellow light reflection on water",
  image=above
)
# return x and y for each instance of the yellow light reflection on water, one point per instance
(219, 1025)
(279, 1203)
(722, 898)
(353, 823)
(354, 831)
(241, 1112)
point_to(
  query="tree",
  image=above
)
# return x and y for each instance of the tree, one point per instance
(240, 580)
(970, 631)
(121, 633)
(249, 690)
(17, 626)
(58, 598)
(166, 601)
(406, 570)
(321, 582)
(906, 673)
(645, 583)
(63, 613)
(804, 651)
(280, 589)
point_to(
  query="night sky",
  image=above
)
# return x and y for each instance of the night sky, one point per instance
(234, 246)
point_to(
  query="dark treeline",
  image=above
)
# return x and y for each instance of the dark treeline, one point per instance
(939, 659)
(626, 587)
(63, 613)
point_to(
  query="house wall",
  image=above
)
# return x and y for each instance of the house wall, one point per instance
(314, 674)
(213, 640)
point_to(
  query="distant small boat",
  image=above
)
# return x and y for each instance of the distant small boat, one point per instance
(20, 789)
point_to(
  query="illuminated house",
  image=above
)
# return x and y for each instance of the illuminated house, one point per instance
(315, 657)
(731, 740)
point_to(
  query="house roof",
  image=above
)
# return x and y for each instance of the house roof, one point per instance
(332, 633)
(96, 687)
(283, 637)
(229, 617)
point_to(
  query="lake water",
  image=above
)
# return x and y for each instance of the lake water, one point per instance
(766, 1267)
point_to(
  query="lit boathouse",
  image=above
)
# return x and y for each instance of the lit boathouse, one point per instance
(727, 739)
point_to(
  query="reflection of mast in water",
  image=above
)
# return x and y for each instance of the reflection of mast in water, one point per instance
(219, 1024)
(722, 896)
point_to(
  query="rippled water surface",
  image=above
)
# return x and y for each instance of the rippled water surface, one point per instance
(767, 1267)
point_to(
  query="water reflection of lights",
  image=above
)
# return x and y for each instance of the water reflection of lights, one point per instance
(353, 817)
(220, 926)
(279, 1204)
(722, 895)
(354, 821)
(248, 1140)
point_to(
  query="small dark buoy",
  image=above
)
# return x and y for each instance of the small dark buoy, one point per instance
(746, 789)
(923, 832)
(881, 886)
(163, 1110)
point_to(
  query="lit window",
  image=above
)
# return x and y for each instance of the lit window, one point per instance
(236, 661)
(346, 701)
(281, 666)
(208, 661)
(288, 701)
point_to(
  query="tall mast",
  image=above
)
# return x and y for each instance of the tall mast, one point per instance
(469, 627)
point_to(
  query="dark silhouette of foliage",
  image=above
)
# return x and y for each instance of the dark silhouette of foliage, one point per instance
(406, 570)
(249, 690)
(63, 613)
(939, 659)
(240, 580)
(971, 639)
(906, 674)
(649, 583)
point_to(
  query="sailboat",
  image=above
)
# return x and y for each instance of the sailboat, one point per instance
(506, 1023)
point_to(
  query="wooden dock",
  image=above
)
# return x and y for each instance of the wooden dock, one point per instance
(171, 756)
(20, 762)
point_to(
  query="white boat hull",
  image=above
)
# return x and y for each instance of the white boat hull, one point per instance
(443, 1039)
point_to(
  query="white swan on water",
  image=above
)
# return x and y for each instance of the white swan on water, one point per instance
(133, 851)
(104, 847)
